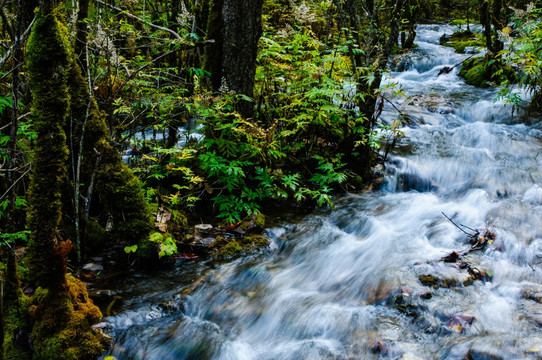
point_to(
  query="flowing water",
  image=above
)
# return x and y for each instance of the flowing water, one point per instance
(345, 284)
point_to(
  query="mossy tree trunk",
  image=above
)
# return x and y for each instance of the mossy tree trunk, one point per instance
(62, 315)
(48, 65)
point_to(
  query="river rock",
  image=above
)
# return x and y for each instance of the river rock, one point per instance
(92, 267)
(411, 357)
(203, 229)
(533, 313)
(208, 241)
(479, 354)
(533, 292)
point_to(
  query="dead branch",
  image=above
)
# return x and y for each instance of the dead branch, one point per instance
(447, 69)
(457, 226)
(405, 116)
(180, 48)
(23, 38)
(134, 17)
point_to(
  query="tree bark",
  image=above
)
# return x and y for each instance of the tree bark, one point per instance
(232, 61)
(485, 21)
(496, 21)
(47, 66)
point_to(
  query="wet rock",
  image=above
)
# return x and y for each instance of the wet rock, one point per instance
(29, 291)
(408, 181)
(208, 241)
(474, 354)
(254, 223)
(533, 293)
(451, 258)
(426, 295)
(410, 357)
(169, 307)
(404, 303)
(459, 322)
(433, 103)
(429, 280)
(203, 229)
(378, 347)
(533, 313)
(102, 294)
(92, 267)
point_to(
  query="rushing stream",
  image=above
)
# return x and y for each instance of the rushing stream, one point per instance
(346, 284)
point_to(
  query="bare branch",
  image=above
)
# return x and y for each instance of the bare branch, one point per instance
(23, 38)
(131, 16)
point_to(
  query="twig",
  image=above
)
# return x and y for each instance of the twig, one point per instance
(23, 37)
(447, 69)
(14, 183)
(131, 16)
(457, 226)
(180, 48)
(465, 226)
(405, 116)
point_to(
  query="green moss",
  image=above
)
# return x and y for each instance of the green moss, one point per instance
(429, 280)
(460, 46)
(253, 222)
(16, 316)
(476, 72)
(255, 241)
(124, 201)
(461, 40)
(95, 235)
(477, 76)
(62, 325)
(48, 54)
(458, 22)
(230, 249)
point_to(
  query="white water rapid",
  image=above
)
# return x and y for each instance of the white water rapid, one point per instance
(346, 284)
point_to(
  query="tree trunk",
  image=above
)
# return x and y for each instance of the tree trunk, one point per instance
(236, 27)
(485, 21)
(47, 65)
(496, 21)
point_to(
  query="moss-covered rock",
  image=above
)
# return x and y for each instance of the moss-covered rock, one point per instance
(253, 223)
(461, 40)
(62, 324)
(429, 280)
(481, 72)
(474, 72)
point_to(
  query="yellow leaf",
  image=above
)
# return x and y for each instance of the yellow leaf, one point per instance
(152, 158)
(507, 30)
